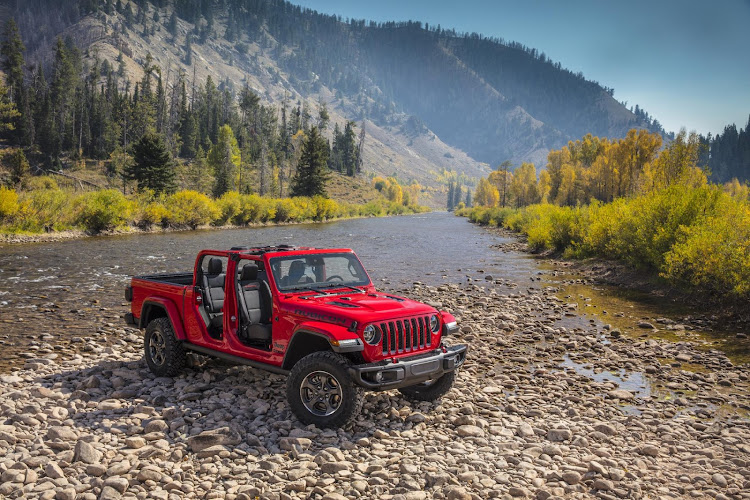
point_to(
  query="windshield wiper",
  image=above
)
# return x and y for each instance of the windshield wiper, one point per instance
(340, 285)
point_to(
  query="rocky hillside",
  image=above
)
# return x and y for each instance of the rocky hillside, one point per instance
(432, 99)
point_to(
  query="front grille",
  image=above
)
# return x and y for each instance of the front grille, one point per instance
(405, 335)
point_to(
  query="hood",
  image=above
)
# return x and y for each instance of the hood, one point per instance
(360, 307)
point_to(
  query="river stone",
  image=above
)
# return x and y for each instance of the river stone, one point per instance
(66, 494)
(109, 493)
(719, 480)
(469, 431)
(62, 433)
(207, 439)
(559, 434)
(603, 484)
(53, 471)
(118, 483)
(621, 394)
(571, 477)
(157, 425)
(649, 450)
(86, 453)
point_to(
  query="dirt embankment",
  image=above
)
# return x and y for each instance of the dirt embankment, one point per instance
(533, 414)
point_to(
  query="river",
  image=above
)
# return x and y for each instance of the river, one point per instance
(55, 296)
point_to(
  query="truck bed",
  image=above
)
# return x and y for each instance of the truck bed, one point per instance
(181, 279)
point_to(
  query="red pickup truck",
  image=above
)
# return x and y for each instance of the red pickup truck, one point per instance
(311, 314)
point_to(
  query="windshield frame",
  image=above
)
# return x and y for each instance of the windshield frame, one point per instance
(316, 286)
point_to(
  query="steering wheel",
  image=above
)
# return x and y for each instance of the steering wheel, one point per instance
(335, 277)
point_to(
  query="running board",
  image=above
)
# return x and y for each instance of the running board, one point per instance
(235, 359)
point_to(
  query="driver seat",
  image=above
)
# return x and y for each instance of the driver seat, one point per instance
(296, 272)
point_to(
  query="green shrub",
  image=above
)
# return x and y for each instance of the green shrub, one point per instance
(103, 210)
(191, 209)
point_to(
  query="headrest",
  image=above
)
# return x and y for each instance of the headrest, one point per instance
(297, 268)
(249, 272)
(215, 266)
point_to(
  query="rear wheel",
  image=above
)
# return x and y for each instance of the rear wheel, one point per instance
(164, 354)
(321, 392)
(431, 389)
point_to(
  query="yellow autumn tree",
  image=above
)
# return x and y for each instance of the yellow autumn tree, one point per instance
(486, 195)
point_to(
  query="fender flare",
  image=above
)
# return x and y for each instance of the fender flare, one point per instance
(331, 333)
(173, 314)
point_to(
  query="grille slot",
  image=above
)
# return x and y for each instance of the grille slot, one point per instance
(405, 335)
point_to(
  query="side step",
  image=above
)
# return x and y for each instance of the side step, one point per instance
(235, 359)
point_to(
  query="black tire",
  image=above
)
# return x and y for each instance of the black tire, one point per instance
(164, 354)
(321, 392)
(430, 390)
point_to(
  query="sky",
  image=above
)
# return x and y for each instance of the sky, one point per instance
(686, 62)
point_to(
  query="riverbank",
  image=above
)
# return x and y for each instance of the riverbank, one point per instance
(540, 410)
(699, 309)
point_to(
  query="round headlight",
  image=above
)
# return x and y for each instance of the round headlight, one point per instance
(434, 323)
(370, 334)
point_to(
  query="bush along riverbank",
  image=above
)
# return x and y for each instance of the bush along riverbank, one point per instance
(49, 210)
(528, 417)
(696, 238)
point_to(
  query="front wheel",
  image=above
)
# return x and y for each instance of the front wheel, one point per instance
(321, 392)
(431, 389)
(164, 354)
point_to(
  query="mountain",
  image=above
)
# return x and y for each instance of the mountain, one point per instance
(433, 100)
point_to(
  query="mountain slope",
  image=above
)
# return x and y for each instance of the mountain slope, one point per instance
(433, 100)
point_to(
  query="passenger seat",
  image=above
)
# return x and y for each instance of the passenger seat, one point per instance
(213, 294)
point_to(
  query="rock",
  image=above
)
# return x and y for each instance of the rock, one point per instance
(606, 429)
(135, 442)
(621, 394)
(96, 470)
(646, 325)
(149, 473)
(649, 450)
(559, 434)
(571, 477)
(61, 433)
(220, 436)
(118, 483)
(683, 357)
(53, 471)
(66, 494)
(288, 444)
(517, 492)
(719, 480)
(86, 453)
(469, 431)
(525, 430)
(334, 496)
(156, 426)
(603, 485)
(109, 493)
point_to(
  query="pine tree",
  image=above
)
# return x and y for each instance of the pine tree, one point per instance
(451, 190)
(468, 198)
(153, 167)
(312, 172)
(224, 158)
(12, 52)
(8, 111)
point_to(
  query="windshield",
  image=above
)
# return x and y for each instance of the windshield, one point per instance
(314, 272)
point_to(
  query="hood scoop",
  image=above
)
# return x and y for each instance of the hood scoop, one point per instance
(344, 304)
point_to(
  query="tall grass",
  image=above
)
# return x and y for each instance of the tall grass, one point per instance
(698, 237)
(48, 208)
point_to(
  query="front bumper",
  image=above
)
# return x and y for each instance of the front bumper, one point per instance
(404, 372)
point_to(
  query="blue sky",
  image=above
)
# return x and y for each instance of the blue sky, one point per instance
(686, 62)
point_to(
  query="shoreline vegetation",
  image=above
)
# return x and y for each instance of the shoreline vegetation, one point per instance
(51, 214)
(631, 201)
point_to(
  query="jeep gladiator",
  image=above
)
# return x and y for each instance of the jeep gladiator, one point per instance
(310, 314)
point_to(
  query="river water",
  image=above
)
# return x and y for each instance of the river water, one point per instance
(55, 296)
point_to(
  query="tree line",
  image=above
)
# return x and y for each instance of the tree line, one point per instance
(601, 169)
(728, 154)
(227, 137)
